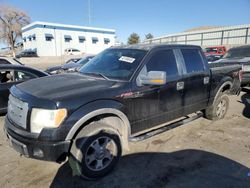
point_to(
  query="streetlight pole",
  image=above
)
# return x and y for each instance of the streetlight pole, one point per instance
(89, 12)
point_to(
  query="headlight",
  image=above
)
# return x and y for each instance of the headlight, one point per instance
(41, 118)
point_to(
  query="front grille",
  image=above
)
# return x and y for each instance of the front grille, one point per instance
(17, 111)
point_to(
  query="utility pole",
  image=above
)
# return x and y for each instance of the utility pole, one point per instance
(89, 11)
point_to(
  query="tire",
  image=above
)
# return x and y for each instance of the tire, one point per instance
(219, 109)
(95, 155)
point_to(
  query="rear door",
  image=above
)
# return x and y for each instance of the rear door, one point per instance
(196, 80)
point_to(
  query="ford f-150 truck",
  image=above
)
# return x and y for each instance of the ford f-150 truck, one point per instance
(123, 94)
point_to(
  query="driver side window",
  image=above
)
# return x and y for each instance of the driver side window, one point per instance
(163, 60)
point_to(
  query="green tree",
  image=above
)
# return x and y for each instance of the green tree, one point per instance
(11, 22)
(149, 36)
(134, 38)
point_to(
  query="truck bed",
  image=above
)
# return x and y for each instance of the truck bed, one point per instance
(224, 67)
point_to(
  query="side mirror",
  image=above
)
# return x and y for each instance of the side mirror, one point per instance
(153, 78)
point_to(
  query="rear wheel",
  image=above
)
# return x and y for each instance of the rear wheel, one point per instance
(96, 155)
(219, 109)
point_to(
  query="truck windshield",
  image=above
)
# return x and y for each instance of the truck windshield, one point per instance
(238, 53)
(118, 64)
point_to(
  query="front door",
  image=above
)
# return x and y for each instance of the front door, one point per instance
(155, 105)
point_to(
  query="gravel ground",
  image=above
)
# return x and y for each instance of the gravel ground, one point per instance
(199, 154)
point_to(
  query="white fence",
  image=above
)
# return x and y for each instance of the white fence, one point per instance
(228, 36)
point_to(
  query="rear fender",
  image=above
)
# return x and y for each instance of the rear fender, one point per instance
(225, 85)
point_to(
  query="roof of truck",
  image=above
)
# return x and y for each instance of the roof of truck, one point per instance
(152, 46)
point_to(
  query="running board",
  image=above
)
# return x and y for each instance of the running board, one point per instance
(165, 128)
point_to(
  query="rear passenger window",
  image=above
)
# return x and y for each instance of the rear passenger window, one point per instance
(163, 60)
(193, 60)
(23, 76)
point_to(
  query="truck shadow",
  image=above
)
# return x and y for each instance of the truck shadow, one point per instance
(245, 98)
(185, 168)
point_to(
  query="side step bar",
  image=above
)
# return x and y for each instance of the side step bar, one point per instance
(165, 128)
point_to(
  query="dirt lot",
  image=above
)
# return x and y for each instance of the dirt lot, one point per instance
(200, 154)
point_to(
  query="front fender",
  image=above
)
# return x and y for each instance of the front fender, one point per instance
(93, 109)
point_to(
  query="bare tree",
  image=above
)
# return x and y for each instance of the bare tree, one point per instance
(11, 22)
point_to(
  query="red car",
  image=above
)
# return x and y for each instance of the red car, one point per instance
(215, 51)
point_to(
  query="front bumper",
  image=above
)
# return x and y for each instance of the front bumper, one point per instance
(37, 149)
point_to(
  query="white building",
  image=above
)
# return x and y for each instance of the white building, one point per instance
(51, 39)
(228, 36)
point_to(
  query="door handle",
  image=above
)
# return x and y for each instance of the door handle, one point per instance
(180, 86)
(206, 80)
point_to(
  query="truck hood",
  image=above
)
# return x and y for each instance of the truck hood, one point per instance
(67, 88)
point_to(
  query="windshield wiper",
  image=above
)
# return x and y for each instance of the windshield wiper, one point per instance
(98, 74)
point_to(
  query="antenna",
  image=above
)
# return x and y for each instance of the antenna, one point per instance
(89, 11)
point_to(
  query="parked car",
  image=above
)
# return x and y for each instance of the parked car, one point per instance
(11, 75)
(92, 115)
(218, 51)
(9, 60)
(72, 51)
(241, 56)
(27, 53)
(69, 67)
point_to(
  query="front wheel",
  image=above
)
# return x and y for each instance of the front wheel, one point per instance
(219, 109)
(96, 155)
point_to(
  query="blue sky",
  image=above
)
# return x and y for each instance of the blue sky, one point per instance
(141, 16)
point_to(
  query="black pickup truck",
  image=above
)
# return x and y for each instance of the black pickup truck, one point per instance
(117, 97)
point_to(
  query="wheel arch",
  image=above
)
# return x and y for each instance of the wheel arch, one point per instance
(115, 118)
(226, 86)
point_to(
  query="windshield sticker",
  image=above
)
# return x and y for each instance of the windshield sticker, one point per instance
(127, 59)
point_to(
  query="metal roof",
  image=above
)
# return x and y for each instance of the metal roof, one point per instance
(65, 27)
